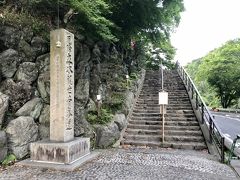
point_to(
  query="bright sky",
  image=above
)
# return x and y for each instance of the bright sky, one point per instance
(205, 25)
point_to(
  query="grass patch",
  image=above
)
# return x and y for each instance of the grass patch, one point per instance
(9, 160)
(115, 102)
(104, 117)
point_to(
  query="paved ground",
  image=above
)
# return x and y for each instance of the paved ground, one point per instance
(137, 164)
(229, 123)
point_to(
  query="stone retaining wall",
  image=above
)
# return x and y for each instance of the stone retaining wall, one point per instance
(25, 82)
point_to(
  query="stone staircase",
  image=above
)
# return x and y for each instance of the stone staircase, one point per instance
(181, 127)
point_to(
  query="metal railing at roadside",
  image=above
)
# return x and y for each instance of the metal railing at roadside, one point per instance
(216, 137)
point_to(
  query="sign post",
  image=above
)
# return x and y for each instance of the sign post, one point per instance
(163, 101)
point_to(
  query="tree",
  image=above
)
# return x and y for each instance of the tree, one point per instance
(221, 68)
(149, 20)
(120, 21)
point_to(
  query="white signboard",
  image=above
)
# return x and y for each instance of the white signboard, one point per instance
(163, 98)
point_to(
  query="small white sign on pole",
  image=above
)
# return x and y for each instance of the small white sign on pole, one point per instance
(163, 98)
(99, 97)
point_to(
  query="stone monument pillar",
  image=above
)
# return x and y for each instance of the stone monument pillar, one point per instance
(61, 86)
(62, 147)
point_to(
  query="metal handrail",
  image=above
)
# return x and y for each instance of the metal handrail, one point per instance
(216, 137)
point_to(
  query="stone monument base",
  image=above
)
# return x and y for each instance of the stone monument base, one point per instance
(60, 156)
(60, 152)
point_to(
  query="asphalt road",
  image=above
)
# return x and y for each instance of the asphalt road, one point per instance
(229, 123)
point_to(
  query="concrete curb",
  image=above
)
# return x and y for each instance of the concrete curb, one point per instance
(237, 111)
(235, 164)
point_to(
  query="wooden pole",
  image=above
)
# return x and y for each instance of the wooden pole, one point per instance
(163, 119)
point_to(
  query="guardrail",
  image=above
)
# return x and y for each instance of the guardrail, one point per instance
(216, 137)
(237, 111)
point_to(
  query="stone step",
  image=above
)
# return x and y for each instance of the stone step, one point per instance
(158, 114)
(145, 114)
(152, 87)
(181, 119)
(183, 133)
(148, 127)
(175, 145)
(170, 100)
(185, 145)
(181, 123)
(141, 143)
(171, 91)
(159, 123)
(134, 137)
(158, 138)
(155, 83)
(170, 103)
(169, 132)
(155, 91)
(156, 108)
(145, 122)
(172, 115)
(166, 86)
(143, 131)
(158, 118)
(159, 80)
(146, 99)
(166, 81)
(170, 94)
(183, 138)
(148, 118)
(184, 111)
(137, 110)
(182, 128)
(183, 95)
(157, 105)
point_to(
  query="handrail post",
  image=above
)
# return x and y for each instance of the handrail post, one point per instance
(183, 77)
(202, 107)
(188, 84)
(210, 130)
(196, 101)
(182, 74)
(192, 91)
(222, 149)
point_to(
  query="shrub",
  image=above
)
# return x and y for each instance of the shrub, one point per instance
(104, 117)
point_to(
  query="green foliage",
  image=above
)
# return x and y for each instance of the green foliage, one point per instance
(24, 20)
(217, 75)
(93, 14)
(221, 68)
(133, 76)
(116, 101)
(156, 56)
(104, 117)
(207, 91)
(9, 160)
(111, 20)
(148, 19)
